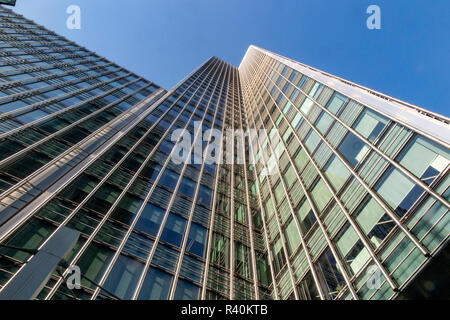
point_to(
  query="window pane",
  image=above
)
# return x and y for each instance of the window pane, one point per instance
(94, 262)
(425, 159)
(150, 219)
(312, 141)
(336, 102)
(124, 276)
(186, 291)
(336, 172)
(127, 208)
(168, 179)
(278, 255)
(300, 160)
(306, 106)
(292, 236)
(321, 195)
(373, 221)
(173, 230)
(306, 216)
(398, 191)
(307, 289)
(370, 124)
(351, 248)
(328, 271)
(324, 122)
(156, 285)
(353, 149)
(204, 196)
(187, 187)
(196, 240)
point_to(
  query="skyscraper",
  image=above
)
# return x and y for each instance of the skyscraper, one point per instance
(346, 197)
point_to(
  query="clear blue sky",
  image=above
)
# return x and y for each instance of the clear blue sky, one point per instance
(164, 40)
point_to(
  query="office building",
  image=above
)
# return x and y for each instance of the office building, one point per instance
(351, 201)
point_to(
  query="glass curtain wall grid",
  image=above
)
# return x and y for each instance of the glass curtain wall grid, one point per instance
(357, 192)
(355, 208)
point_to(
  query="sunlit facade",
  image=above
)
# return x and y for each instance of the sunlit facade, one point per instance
(356, 206)
(360, 199)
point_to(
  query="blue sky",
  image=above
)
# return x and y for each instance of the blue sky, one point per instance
(164, 40)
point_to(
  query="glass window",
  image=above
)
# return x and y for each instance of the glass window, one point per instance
(312, 141)
(166, 146)
(220, 253)
(186, 291)
(353, 149)
(53, 125)
(398, 191)
(278, 255)
(173, 230)
(293, 75)
(151, 171)
(292, 236)
(286, 87)
(307, 289)
(286, 137)
(287, 107)
(8, 147)
(168, 179)
(294, 94)
(150, 219)
(351, 248)
(306, 106)
(262, 269)
(94, 262)
(242, 258)
(316, 90)
(306, 216)
(336, 172)
(156, 285)
(279, 193)
(103, 199)
(187, 187)
(424, 158)
(373, 221)
(336, 102)
(290, 177)
(321, 195)
(127, 208)
(302, 81)
(324, 122)
(300, 160)
(30, 236)
(204, 196)
(32, 116)
(196, 240)
(269, 208)
(370, 124)
(329, 273)
(13, 105)
(240, 212)
(80, 188)
(297, 121)
(124, 277)
(191, 268)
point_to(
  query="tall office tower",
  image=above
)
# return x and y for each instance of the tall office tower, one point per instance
(344, 195)
(358, 203)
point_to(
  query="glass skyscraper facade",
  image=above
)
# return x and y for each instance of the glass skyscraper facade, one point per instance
(355, 205)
